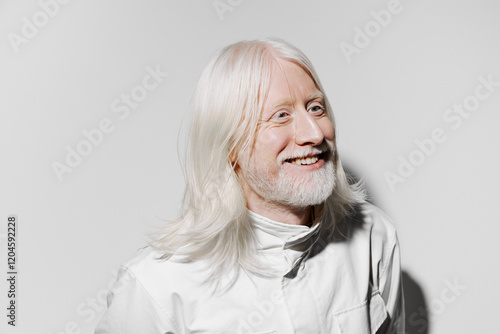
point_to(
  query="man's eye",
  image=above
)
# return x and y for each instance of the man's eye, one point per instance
(280, 114)
(317, 109)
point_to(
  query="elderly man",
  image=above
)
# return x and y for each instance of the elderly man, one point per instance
(272, 237)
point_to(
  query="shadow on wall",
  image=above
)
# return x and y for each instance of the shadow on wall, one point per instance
(417, 318)
(416, 311)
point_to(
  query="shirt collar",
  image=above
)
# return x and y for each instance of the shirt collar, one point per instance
(288, 244)
(286, 233)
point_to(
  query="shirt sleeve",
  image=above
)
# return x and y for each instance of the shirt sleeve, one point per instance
(391, 288)
(132, 310)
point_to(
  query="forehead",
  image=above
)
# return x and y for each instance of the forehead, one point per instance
(289, 84)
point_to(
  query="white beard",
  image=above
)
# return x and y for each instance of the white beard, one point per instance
(298, 191)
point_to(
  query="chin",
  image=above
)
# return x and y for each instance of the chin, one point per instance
(308, 190)
(295, 190)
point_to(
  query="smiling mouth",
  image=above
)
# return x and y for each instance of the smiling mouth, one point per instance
(304, 161)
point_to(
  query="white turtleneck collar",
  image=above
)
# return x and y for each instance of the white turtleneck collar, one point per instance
(283, 245)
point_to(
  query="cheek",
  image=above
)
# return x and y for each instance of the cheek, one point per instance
(271, 142)
(327, 128)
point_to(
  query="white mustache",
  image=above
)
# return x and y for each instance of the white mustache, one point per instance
(312, 151)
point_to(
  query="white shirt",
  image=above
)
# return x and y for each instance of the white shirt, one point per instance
(349, 285)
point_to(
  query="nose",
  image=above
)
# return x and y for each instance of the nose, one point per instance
(307, 129)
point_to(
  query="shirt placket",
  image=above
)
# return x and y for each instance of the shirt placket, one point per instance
(299, 299)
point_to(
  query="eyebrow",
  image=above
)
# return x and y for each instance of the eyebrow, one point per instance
(286, 102)
(317, 95)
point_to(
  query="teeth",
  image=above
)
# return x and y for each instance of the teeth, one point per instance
(305, 161)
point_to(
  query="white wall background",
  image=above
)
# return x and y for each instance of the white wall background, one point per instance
(63, 79)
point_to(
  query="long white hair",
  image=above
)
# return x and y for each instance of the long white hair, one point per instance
(228, 102)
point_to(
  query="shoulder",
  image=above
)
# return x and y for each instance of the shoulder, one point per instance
(373, 223)
(149, 295)
(159, 276)
(369, 231)
(138, 303)
(382, 238)
(143, 261)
